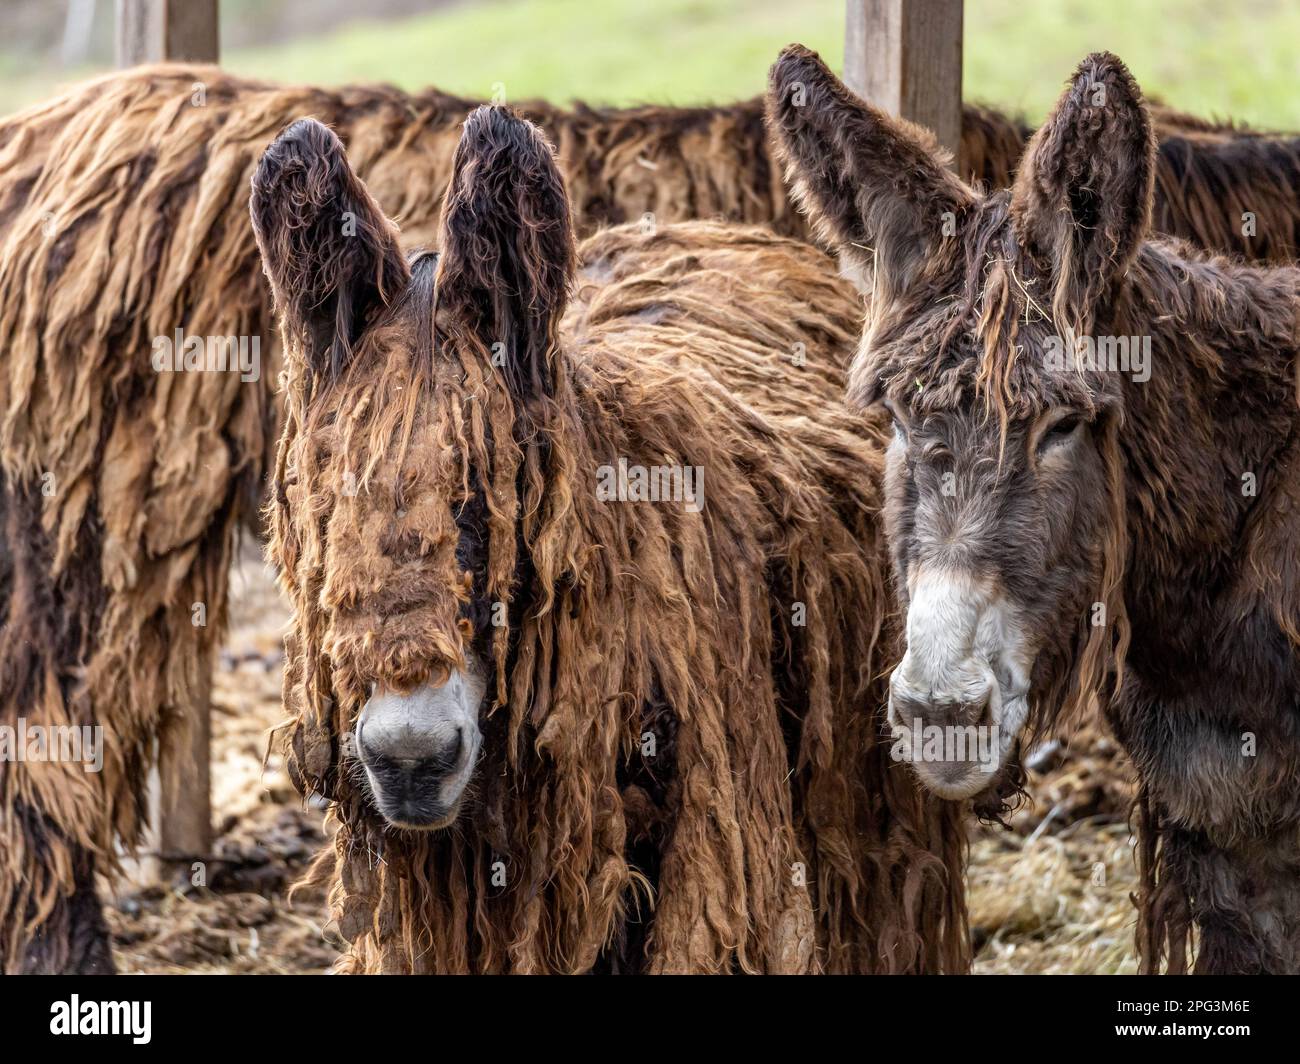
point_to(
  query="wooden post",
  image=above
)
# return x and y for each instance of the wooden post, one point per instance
(154, 31)
(904, 56)
(182, 811)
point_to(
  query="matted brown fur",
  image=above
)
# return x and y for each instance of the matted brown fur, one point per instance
(182, 122)
(175, 123)
(123, 217)
(771, 833)
(123, 206)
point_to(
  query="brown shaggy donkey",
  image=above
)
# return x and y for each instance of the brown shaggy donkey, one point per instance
(123, 218)
(567, 727)
(1092, 486)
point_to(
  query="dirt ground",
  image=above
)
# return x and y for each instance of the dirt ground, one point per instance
(1049, 894)
(242, 920)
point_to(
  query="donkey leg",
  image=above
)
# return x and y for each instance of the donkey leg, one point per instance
(74, 939)
(1244, 900)
(90, 949)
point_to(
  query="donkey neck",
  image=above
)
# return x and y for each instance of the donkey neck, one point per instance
(1207, 440)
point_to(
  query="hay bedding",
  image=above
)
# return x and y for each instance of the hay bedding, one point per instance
(1052, 895)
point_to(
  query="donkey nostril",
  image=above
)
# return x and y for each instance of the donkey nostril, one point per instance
(436, 763)
(445, 761)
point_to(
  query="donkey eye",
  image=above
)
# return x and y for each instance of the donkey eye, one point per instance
(936, 453)
(1060, 432)
(897, 423)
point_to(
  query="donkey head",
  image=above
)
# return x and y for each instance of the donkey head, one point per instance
(412, 391)
(1003, 477)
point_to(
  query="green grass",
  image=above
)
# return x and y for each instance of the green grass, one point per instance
(613, 51)
(1206, 56)
(1236, 59)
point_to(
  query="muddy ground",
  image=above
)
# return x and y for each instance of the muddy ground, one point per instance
(1048, 894)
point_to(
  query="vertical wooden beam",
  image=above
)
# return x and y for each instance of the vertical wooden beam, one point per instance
(184, 811)
(77, 28)
(904, 56)
(154, 31)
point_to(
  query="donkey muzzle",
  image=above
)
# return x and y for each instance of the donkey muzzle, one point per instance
(418, 749)
(949, 736)
(957, 699)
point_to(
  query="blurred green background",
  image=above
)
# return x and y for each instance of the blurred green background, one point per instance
(1237, 58)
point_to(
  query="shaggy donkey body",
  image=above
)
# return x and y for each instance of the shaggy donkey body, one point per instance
(1063, 527)
(122, 217)
(680, 767)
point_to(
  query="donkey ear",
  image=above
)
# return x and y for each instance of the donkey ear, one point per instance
(1082, 200)
(329, 252)
(508, 255)
(869, 182)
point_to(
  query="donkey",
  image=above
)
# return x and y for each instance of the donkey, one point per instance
(566, 723)
(1064, 523)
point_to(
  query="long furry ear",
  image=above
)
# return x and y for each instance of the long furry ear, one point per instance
(1082, 199)
(329, 252)
(870, 183)
(508, 253)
